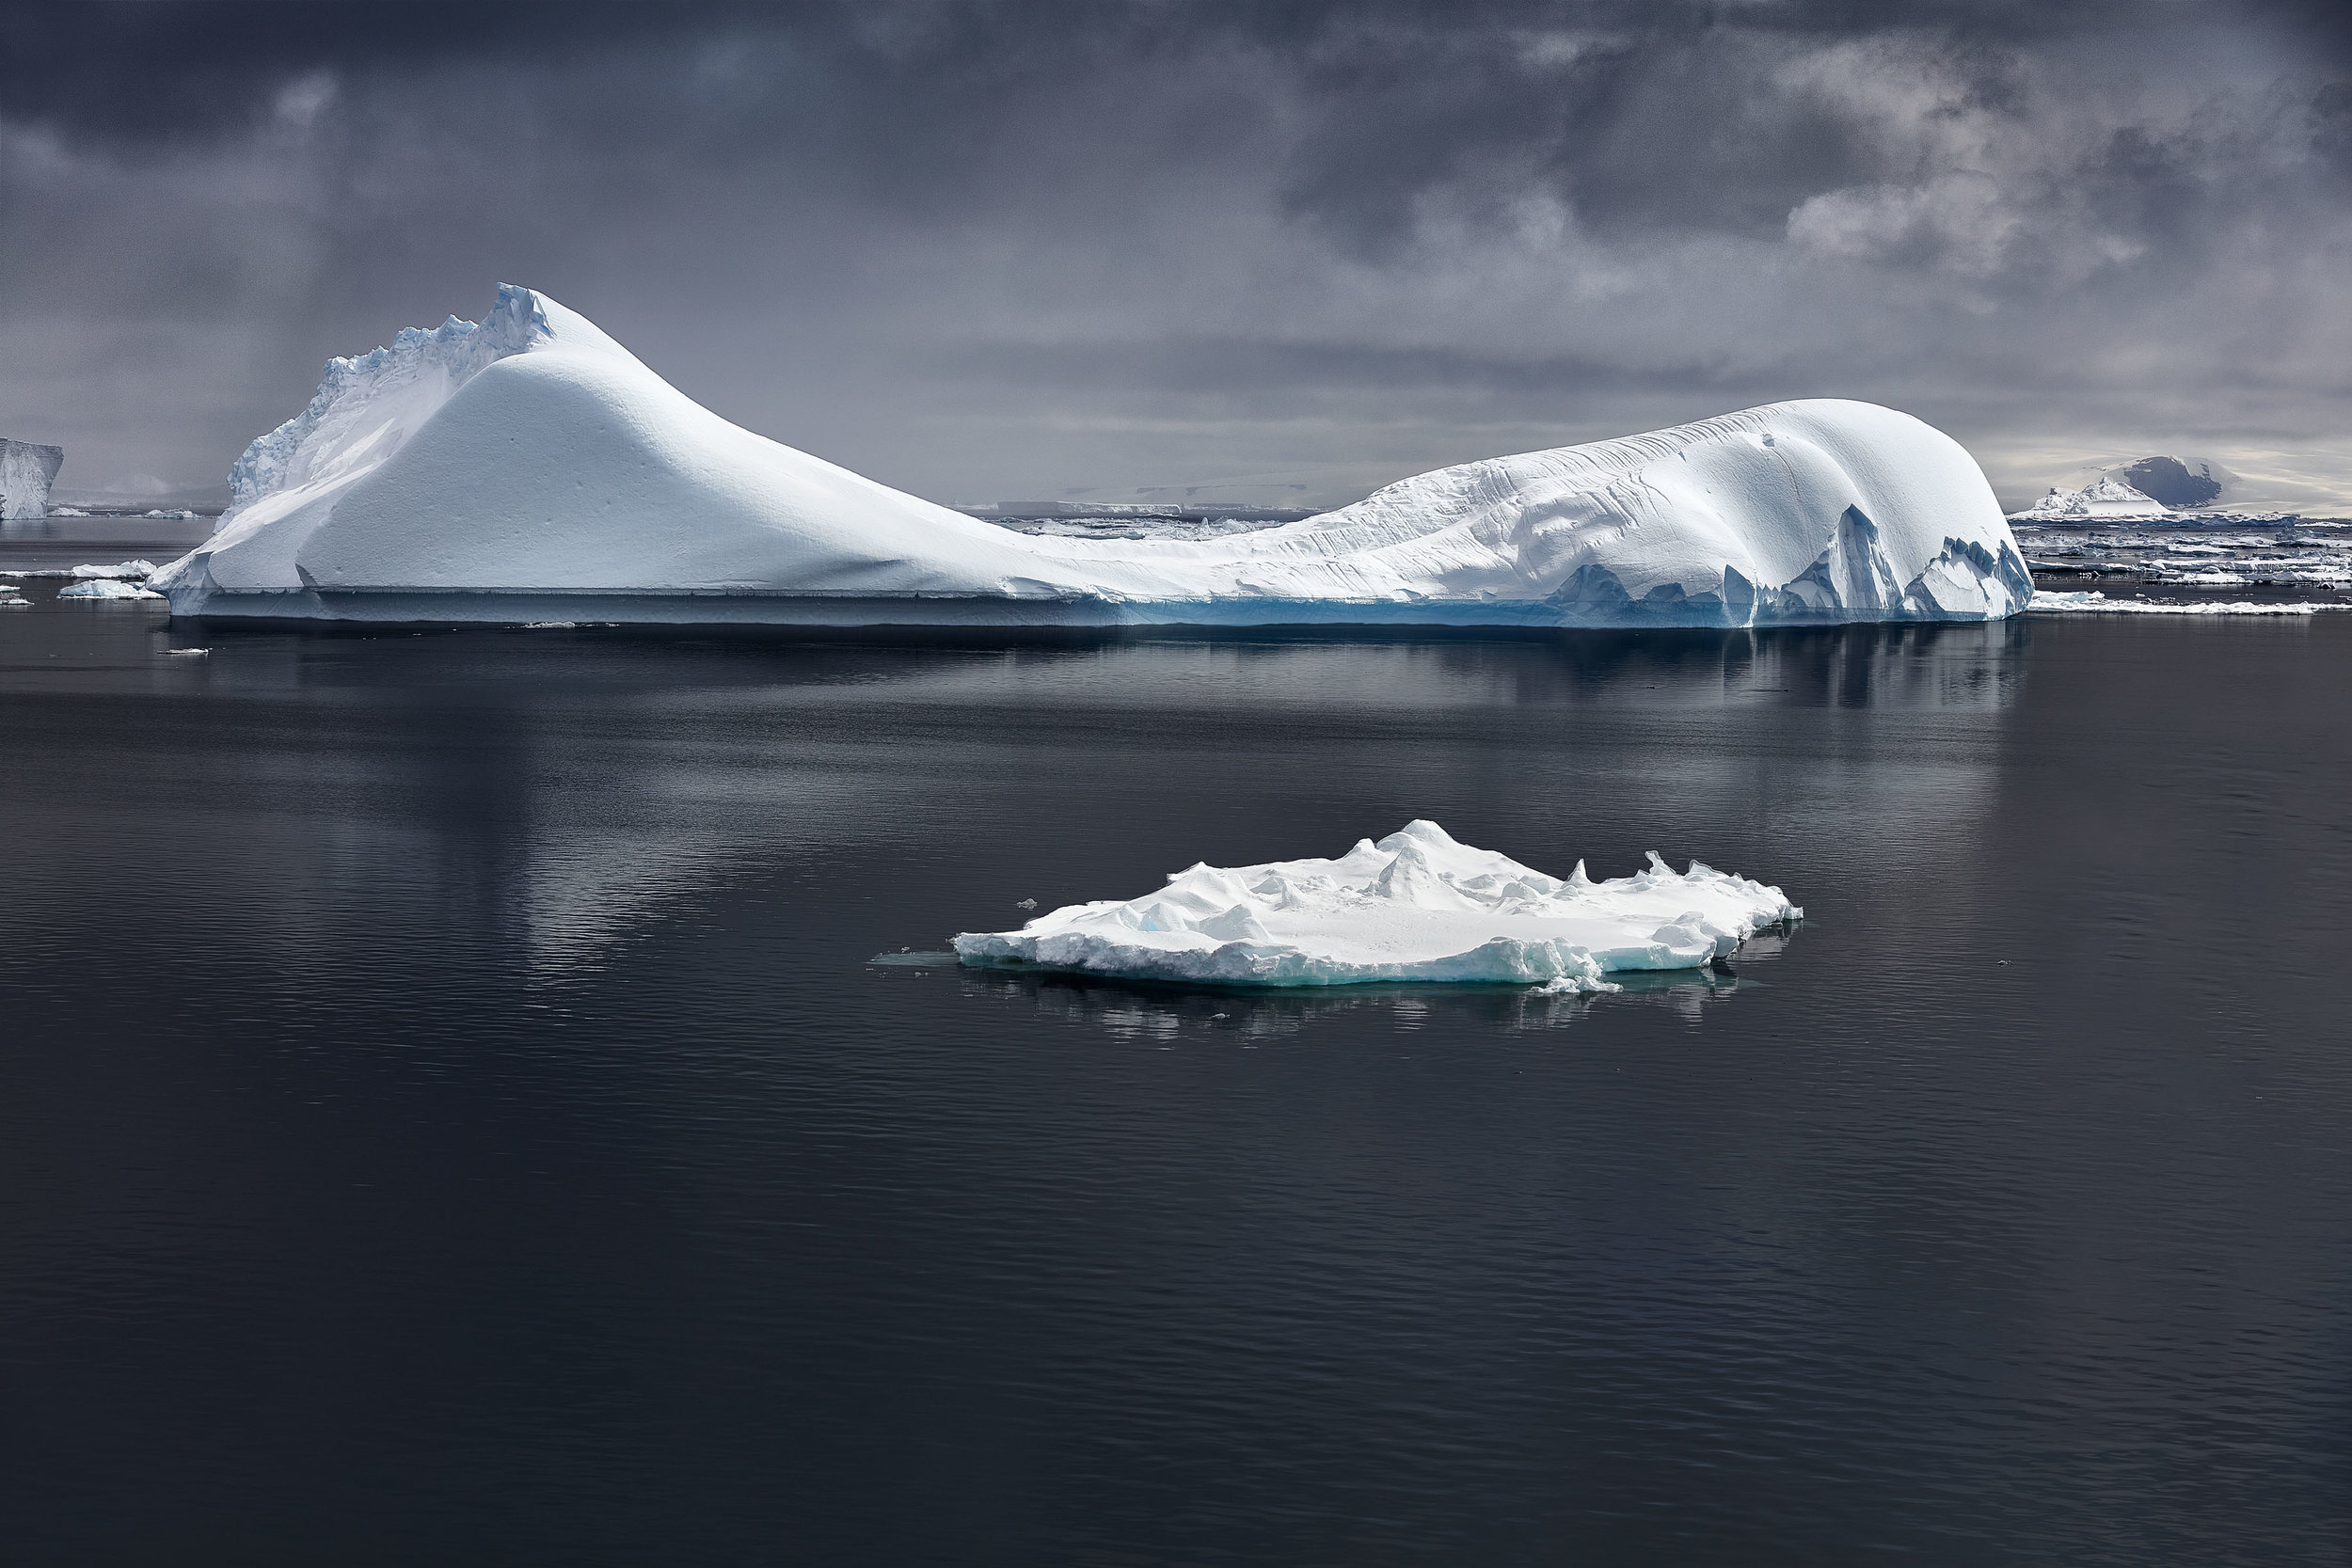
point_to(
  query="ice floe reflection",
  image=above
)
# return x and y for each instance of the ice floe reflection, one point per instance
(1146, 1013)
(564, 794)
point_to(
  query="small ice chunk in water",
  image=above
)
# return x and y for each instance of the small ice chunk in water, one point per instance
(132, 571)
(1415, 906)
(105, 588)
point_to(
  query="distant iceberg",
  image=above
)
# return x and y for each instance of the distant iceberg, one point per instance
(530, 469)
(26, 471)
(1415, 906)
(2109, 500)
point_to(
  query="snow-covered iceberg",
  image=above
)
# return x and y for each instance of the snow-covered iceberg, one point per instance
(1415, 906)
(2109, 500)
(530, 468)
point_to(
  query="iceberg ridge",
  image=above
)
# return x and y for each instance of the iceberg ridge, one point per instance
(358, 411)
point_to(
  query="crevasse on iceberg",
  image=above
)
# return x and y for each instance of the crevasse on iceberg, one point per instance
(1415, 906)
(530, 468)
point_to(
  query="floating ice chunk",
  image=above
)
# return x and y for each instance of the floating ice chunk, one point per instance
(1415, 906)
(105, 588)
(530, 469)
(135, 571)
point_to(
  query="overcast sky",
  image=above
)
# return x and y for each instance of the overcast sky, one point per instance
(993, 251)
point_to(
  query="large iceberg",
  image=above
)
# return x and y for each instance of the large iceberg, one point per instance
(530, 468)
(1415, 906)
(26, 471)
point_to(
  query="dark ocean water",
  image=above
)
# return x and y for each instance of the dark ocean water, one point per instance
(447, 1114)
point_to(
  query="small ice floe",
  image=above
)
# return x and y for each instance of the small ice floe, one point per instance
(549, 626)
(2173, 576)
(128, 571)
(106, 587)
(187, 653)
(8, 601)
(2099, 604)
(1415, 906)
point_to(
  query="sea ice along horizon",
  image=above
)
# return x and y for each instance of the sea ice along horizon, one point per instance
(1418, 905)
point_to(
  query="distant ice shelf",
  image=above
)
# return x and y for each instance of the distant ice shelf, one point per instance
(530, 469)
(2099, 604)
(1415, 906)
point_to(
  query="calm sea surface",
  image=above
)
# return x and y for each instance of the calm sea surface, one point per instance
(448, 1113)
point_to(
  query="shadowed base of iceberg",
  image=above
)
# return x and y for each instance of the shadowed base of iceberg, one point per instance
(1161, 1011)
(1593, 606)
(1417, 906)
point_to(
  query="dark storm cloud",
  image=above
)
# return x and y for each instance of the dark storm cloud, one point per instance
(986, 248)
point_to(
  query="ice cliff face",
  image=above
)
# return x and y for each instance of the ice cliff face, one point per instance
(26, 471)
(531, 469)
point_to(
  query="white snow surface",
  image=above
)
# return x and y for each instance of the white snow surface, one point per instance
(2109, 500)
(1415, 906)
(129, 570)
(525, 467)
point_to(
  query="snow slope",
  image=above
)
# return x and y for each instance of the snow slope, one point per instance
(1415, 906)
(531, 469)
